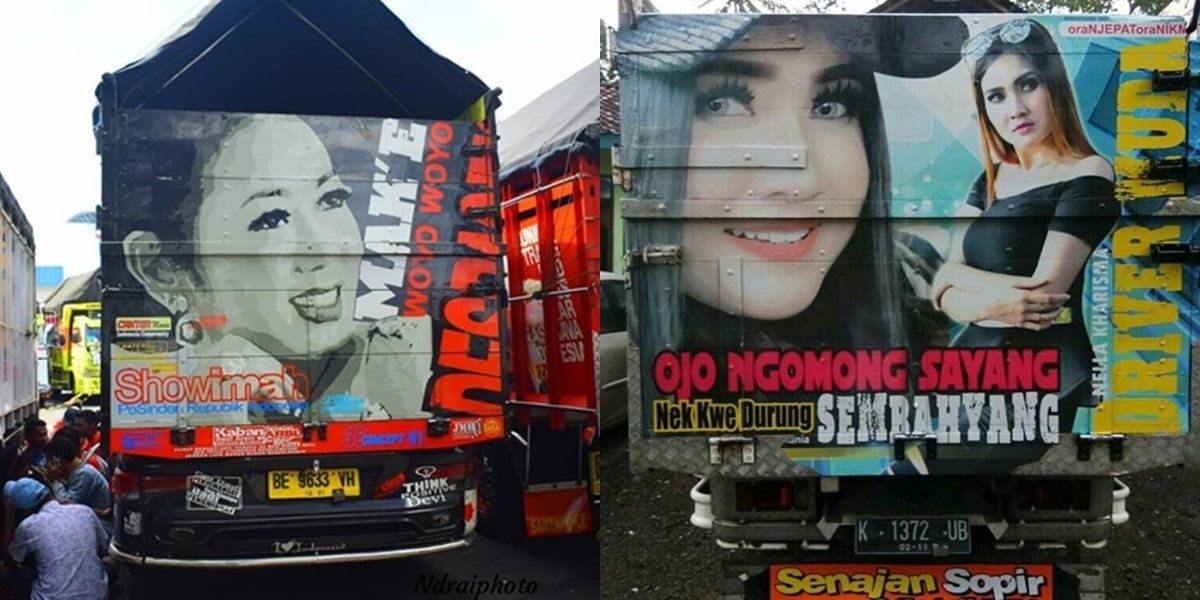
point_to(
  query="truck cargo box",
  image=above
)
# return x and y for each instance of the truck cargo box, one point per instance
(802, 302)
(18, 310)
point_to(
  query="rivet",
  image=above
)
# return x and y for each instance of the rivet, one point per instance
(791, 36)
(746, 38)
(660, 206)
(746, 156)
(728, 208)
(820, 209)
(796, 193)
(649, 157)
(822, 269)
(912, 207)
(729, 271)
(749, 192)
(822, 251)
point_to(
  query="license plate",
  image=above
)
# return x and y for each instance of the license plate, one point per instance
(912, 536)
(298, 485)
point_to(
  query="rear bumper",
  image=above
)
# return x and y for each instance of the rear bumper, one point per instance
(285, 561)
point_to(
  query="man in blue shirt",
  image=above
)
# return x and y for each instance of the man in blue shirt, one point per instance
(64, 543)
(76, 482)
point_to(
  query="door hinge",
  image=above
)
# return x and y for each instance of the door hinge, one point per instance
(1174, 253)
(654, 254)
(183, 436)
(1169, 81)
(715, 444)
(1084, 442)
(306, 433)
(900, 444)
(489, 285)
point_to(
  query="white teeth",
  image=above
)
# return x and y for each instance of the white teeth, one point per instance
(325, 299)
(773, 237)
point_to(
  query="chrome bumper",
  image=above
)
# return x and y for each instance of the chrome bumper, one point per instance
(286, 561)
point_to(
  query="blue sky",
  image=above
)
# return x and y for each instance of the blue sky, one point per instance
(52, 53)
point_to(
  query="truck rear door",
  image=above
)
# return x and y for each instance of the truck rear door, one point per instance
(791, 222)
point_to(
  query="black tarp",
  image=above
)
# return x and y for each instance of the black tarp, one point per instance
(321, 57)
(84, 287)
(564, 118)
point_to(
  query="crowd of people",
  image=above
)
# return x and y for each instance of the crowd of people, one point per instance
(57, 512)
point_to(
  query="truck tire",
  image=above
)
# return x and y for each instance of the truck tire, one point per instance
(502, 507)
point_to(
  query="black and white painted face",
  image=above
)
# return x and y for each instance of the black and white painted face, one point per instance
(272, 191)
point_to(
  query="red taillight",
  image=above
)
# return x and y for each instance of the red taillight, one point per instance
(124, 484)
(764, 496)
(449, 471)
(163, 483)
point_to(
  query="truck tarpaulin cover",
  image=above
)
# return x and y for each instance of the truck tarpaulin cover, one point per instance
(907, 226)
(350, 57)
(275, 270)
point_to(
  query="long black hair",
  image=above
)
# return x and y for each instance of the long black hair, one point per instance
(859, 303)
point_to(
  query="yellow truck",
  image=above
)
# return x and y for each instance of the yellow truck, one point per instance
(75, 350)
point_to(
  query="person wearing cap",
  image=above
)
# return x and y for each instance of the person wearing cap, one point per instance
(63, 542)
(1045, 200)
(763, 137)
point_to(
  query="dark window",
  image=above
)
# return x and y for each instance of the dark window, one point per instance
(612, 306)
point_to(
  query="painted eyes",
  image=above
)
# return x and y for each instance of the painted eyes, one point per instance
(272, 219)
(278, 217)
(830, 110)
(1023, 85)
(729, 98)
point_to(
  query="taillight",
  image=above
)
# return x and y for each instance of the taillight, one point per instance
(1053, 495)
(163, 483)
(124, 484)
(129, 486)
(764, 496)
(449, 471)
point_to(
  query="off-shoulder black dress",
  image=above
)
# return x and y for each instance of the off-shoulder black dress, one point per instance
(1008, 238)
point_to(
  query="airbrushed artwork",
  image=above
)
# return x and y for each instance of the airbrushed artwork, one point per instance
(279, 270)
(888, 229)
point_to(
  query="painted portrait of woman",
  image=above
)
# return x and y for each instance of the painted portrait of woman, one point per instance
(1042, 205)
(257, 261)
(776, 178)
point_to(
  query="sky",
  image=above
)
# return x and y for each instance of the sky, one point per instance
(53, 52)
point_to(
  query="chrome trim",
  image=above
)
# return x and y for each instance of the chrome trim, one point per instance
(285, 561)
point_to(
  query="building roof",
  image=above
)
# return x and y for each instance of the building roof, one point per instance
(610, 108)
(947, 6)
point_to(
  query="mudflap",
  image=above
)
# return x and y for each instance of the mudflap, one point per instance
(750, 579)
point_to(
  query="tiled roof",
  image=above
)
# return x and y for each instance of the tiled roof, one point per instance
(610, 108)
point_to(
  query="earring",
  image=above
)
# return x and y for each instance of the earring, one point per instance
(188, 330)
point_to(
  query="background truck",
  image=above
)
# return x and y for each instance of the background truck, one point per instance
(546, 473)
(18, 308)
(301, 259)
(852, 437)
(74, 350)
